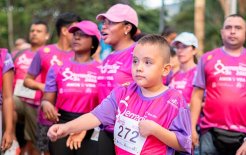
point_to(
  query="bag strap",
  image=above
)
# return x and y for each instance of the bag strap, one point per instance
(18, 54)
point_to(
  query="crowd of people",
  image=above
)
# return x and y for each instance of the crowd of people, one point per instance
(148, 96)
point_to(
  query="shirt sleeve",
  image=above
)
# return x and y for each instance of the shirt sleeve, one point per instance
(181, 126)
(35, 66)
(106, 111)
(199, 80)
(8, 63)
(50, 83)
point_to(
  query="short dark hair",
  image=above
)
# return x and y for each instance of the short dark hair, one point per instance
(95, 43)
(66, 19)
(133, 30)
(154, 39)
(235, 15)
(167, 31)
(41, 22)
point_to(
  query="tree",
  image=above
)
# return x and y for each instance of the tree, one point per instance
(199, 23)
(25, 11)
(213, 21)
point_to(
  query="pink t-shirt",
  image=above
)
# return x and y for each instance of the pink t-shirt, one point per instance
(75, 84)
(22, 63)
(224, 79)
(182, 81)
(167, 109)
(44, 58)
(115, 71)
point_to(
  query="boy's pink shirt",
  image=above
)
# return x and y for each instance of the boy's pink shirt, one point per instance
(162, 109)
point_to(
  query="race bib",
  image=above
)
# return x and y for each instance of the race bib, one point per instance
(127, 136)
(22, 91)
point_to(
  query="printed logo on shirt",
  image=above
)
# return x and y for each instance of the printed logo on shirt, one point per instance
(24, 61)
(69, 75)
(173, 102)
(106, 68)
(56, 61)
(122, 110)
(8, 62)
(46, 50)
(178, 84)
(209, 57)
(227, 70)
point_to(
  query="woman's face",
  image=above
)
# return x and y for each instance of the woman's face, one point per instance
(185, 53)
(113, 32)
(81, 42)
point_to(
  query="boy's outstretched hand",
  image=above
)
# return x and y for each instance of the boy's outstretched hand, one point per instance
(57, 131)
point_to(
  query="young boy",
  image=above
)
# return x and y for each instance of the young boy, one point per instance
(148, 117)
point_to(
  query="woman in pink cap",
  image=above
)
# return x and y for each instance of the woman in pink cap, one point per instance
(120, 24)
(71, 89)
(119, 27)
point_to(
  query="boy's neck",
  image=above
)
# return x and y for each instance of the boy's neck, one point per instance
(153, 91)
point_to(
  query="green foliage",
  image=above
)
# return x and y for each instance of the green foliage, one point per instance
(25, 11)
(184, 20)
(213, 21)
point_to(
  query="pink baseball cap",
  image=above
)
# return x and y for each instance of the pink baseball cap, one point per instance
(120, 13)
(88, 27)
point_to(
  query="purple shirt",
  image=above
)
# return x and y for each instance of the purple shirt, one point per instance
(168, 109)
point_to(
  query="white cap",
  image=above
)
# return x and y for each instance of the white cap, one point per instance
(186, 38)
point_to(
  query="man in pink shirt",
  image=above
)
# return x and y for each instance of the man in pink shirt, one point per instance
(221, 73)
(27, 100)
(47, 56)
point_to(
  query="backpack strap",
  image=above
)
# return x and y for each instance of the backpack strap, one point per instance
(18, 54)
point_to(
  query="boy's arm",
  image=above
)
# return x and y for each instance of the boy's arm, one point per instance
(104, 113)
(8, 109)
(85, 122)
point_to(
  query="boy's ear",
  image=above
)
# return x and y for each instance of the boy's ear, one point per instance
(166, 69)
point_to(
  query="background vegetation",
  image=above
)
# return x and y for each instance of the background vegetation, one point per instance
(25, 11)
